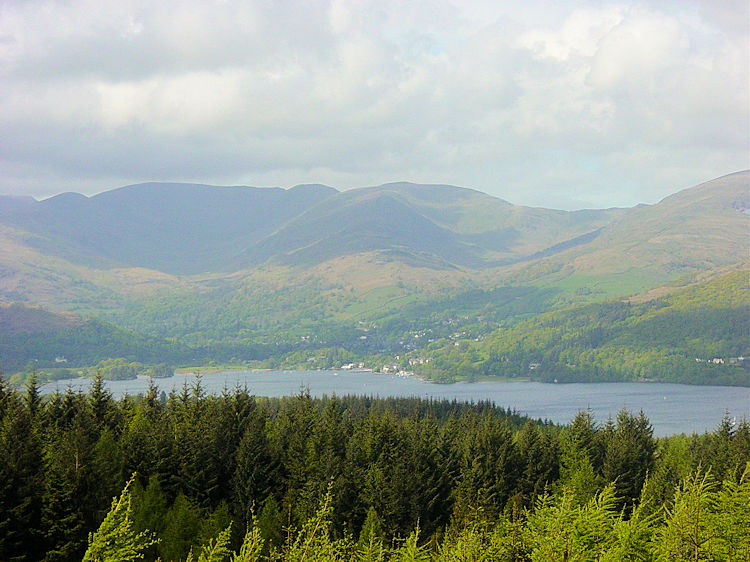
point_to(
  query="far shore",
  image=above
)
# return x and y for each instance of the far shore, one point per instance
(212, 370)
(215, 369)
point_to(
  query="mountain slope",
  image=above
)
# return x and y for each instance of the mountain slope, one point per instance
(175, 228)
(493, 223)
(696, 229)
(437, 225)
(698, 335)
(355, 225)
(248, 249)
(190, 228)
(31, 276)
(30, 334)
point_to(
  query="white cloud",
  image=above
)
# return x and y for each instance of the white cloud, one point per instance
(530, 102)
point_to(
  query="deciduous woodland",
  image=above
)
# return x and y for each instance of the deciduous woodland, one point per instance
(237, 477)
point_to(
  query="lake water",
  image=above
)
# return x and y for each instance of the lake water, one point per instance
(671, 408)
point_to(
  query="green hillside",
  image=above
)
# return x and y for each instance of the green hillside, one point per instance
(700, 335)
(436, 225)
(378, 273)
(41, 339)
(697, 229)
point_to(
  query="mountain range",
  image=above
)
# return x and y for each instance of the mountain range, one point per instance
(204, 263)
(186, 229)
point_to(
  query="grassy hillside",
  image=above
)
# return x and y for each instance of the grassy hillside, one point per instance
(349, 227)
(30, 276)
(697, 229)
(493, 221)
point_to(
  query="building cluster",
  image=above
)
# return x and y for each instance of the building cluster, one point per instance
(721, 360)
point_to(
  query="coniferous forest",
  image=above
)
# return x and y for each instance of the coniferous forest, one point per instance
(550, 200)
(238, 477)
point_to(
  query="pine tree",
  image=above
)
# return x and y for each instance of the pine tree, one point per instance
(252, 545)
(116, 540)
(629, 456)
(269, 524)
(20, 484)
(33, 398)
(731, 522)
(576, 472)
(539, 455)
(101, 403)
(559, 529)
(411, 551)
(151, 398)
(489, 466)
(216, 550)
(149, 506)
(181, 530)
(314, 540)
(687, 533)
(255, 467)
(740, 448)
(371, 535)
(584, 435)
(67, 486)
(106, 470)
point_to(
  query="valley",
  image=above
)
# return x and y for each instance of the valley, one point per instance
(461, 284)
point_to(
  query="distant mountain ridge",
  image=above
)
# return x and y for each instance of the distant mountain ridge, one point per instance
(77, 253)
(441, 225)
(176, 228)
(699, 228)
(192, 228)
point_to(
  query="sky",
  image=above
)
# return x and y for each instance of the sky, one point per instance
(564, 104)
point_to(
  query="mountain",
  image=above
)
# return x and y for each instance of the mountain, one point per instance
(184, 229)
(188, 229)
(196, 271)
(174, 228)
(357, 223)
(95, 253)
(439, 226)
(696, 229)
(154, 236)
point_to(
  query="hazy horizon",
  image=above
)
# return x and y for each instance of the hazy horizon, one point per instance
(339, 189)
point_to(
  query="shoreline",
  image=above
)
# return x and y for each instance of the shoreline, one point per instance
(219, 369)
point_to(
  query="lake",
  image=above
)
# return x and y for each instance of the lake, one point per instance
(672, 408)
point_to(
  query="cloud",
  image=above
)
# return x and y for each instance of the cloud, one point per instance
(585, 103)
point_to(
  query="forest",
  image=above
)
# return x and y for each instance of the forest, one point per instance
(511, 332)
(671, 339)
(240, 477)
